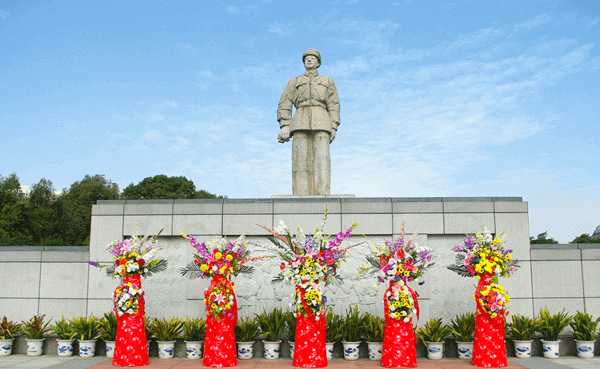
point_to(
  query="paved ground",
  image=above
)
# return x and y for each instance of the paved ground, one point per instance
(55, 362)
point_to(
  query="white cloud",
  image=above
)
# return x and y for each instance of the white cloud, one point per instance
(531, 23)
(281, 29)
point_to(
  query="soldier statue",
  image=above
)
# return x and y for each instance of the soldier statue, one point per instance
(313, 127)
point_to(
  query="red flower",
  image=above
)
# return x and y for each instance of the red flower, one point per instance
(334, 270)
(123, 261)
(141, 262)
(197, 261)
(330, 262)
(282, 266)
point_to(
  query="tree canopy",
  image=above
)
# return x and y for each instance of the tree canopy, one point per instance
(585, 238)
(542, 238)
(163, 187)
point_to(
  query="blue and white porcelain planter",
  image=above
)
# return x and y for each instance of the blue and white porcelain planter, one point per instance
(110, 348)
(87, 348)
(435, 350)
(272, 350)
(166, 349)
(550, 349)
(329, 350)
(245, 350)
(375, 350)
(193, 349)
(523, 349)
(585, 349)
(465, 350)
(34, 347)
(6, 346)
(351, 350)
(291, 350)
(65, 347)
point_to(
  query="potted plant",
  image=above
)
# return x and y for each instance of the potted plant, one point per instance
(521, 331)
(584, 331)
(87, 331)
(62, 328)
(108, 331)
(245, 331)
(373, 329)
(352, 333)
(166, 332)
(462, 327)
(290, 329)
(333, 331)
(272, 325)
(8, 331)
(193, 335)
(432, 334)
(36, 331)
(550, 328)
(148, 329)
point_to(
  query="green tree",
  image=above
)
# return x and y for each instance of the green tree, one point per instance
(13, 209)
(542, 238)
(585, 238)
(42, 214)
(163, 187)
(74, 207)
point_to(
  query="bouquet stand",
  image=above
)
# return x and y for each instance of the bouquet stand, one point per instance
(489, 350)
(399, 340)
(219, 344)
(309, 347)
(131, 346)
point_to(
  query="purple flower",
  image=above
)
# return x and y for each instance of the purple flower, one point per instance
(459, 248)
(94, 264)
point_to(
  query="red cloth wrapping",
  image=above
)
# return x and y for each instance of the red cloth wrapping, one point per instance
(219, 344)
(489, 350)
(309, 348)
(131, 346)
(399, 340)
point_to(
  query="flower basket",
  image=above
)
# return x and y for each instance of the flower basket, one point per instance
(401, 263)
(307, 261)
(484, 256)
(220, 260)
(132, 258)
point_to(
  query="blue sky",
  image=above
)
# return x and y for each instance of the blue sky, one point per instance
(438, 98)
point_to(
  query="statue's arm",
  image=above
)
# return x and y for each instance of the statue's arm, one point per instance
(333, 105)
(284, 110)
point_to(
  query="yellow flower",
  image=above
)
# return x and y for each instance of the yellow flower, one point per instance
(496, 242)
(218, 256)
(204, 267)
(229, 257)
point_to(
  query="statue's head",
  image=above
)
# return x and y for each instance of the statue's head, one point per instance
(315, 54)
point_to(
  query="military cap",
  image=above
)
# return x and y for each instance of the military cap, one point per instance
(312, 52)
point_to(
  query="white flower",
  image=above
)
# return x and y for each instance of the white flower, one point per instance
(376, 287)
(392, 315)
(281, 227)
(388, 294)
(295, 315)
(317, 318)
(406, 320)
(392, 308)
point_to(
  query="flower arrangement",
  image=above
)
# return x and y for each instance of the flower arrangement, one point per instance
(220, 257)
(491, 299)
(126, 298)
(309, 259)
(219, 300)
(481, 253)
(400, 302)
(133, 256)
(399, 260)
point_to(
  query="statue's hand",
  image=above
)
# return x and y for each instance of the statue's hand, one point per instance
(285, 134)
(332, 135)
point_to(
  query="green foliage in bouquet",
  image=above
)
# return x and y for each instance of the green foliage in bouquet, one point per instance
(373, 328)
(194, 329)
(433, 331)
(9, 329)
(334, 328)
(86, 328)
(166, 329)
(462, 327)
(353, 327)
(584, 328)
(553, 325)
(108, 326)
(522, 328)
(271, 324)
(36, 328)
(63, 329)
(246, 330)
(290, 325)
